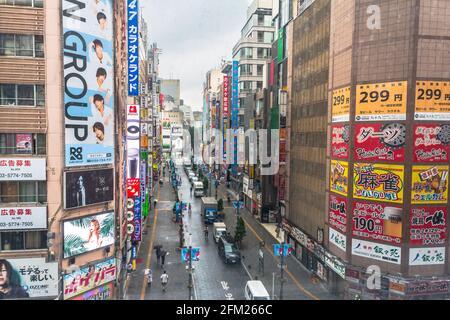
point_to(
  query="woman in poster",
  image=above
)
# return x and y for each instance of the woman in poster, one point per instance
(9, 289)
(94, 240)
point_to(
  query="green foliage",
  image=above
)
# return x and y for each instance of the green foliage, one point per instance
(240, 230)
(205, 183)
(73, 244)
(195, 167)
(220, 205)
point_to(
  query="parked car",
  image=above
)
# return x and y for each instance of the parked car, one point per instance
(194, 179)
(227, 249)
(219, 229)
(255, 290)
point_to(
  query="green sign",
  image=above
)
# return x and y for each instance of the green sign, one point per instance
(280, 45)
(275, 117)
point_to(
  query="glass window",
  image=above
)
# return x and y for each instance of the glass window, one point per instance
(27, 191)
(35, 239)
(268, 37)
(39, 3)
(39, 46)
(40, 95)
(7, 45)
(25, 95)
(27, 3)
(259, 84)
(24, 46)
(7, 143)
(12, 240)
(41, 144)
(260, 69)
(9, 191)
(42, 191)
(7, 94)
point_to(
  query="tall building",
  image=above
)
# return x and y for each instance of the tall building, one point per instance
(170, 88)
(370, 93)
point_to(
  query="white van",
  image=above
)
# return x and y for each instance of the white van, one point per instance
(255, 290)
(198, 189)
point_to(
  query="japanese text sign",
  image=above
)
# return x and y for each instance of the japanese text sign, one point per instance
(426, 256)
(340, 136)
(428, 226)
(432, 100)
(338, 213)
(429, 184)
(133, 47)
(376, 251)
(431, 143)
(339, 177)
(341, 105)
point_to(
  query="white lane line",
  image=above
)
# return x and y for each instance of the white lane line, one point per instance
(193, 285)
(248, 273)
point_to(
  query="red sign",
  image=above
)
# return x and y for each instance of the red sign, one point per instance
(380, 142)
(378, 222)
(339, 141)
(338, 213)
(133, 187)
(225, 96)
(428, 226)
(431, 143)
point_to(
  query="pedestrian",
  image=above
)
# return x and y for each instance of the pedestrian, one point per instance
(158, 254)
(163, 257)
(164, 280)
(149, 274)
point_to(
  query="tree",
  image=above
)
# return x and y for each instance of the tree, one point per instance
(220, 205)
(205, 183)
(240, 231)
(194, 167)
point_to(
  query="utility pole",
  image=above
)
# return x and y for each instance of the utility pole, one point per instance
(281, 272)
(190, 273)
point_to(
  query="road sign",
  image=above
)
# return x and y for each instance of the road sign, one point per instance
(285, 249)
(238, 204)
(185, 254)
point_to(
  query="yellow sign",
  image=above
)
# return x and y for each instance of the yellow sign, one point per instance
(432, 100)
(341, 105)
(378, 182)
(381, 101)
(339, 177)
(429, 184)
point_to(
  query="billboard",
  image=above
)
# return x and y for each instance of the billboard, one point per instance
(381, 101)
(339, 177)
(426, 256)
(341, 105)
(376, 251)
(338, 213)
(133, 147)
(235, 106)
(377, 221)
(24, 143)
(338, 239)
(83, 188)
(431, 142)
(133, 47)
(340, 137)
(88, 82)
(29, 278)
(88, 233)
(104, 293)
(380, 142)
(88, 278)
(428, 226)
(23, 169)
(429, 185)
(23, 218)
(432, 100)
(378, 182)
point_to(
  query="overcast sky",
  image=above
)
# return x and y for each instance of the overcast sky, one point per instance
(194, 35)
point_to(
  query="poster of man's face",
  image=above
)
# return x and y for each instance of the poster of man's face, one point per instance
(83, 188)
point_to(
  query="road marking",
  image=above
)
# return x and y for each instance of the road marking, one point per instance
(303, 289)
(193, 286)
(224, 285)
(248, 273)
(152, 239)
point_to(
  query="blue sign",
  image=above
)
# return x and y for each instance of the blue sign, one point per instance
(283, 250)
(133, 47)
(238, 204)
(235, 106)
(185, 254)
(133, 252)
(143, 178)
(137, 234)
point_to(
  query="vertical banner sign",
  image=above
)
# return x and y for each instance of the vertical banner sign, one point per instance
(137, 234)
(234, 106)
(88, 82)
(338, 213)
(280, 45)
(225, 115)
(381, 101)
(133, 47)
(380, 142)
(133, 169)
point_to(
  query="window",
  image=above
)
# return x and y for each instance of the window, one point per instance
(22, 95)
(245, 85)
(27, 143)
(21, 45)
(259, 84)
(246, 53)
(260, 69)
(23, 192)
(264, 53)
(23, 240)
(23, 3)
(245, 70)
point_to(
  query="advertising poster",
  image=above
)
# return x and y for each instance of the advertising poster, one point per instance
(338, 239)
(133, 149)
(429, 184)
(130, 216)
(88, 233)
(133, 47)
(83, 188)
(381, 101)
(431, 142)
(428, 226)
(29, 278)
(338, 213)
(341, 105)
(23, 218)
(432, 100)
(23, 169)
(339, 177)
(378, 182)
(137, 219)
(426, 256)
(376, 251)
(340, 137)
(379, 222)
(427, 287)
(89, 86)
(378, 142)
(24, 143)
(88, 278)
(104, 293)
